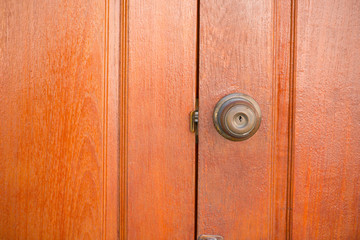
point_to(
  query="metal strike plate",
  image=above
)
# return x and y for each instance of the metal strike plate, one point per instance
(237, 117)
(210, 237)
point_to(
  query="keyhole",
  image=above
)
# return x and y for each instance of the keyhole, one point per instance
(240, 118)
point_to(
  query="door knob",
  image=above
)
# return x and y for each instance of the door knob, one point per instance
(237, 117)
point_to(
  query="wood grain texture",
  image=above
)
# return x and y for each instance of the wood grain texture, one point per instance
(123, 119)
(113, 172)
(326, 201)
(281, 90)
(161, 93)
(244, 47)
(58, 142)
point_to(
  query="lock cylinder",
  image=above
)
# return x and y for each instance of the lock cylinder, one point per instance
(237, 117)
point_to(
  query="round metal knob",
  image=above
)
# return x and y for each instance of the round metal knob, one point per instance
(237, 117)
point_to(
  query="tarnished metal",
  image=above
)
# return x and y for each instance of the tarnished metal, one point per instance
(210, 237)
(194, 119)
(237, 117)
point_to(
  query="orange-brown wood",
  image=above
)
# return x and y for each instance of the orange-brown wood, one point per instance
(59, 131)
(123, 112)
(281, 93)
(244, 47)
(326, 199)
(161, 93)
(94, 133)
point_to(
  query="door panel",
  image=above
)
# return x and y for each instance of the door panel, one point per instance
(161, 149)
(59, 120)
(297, 177)
(326, 199)
(244, 47)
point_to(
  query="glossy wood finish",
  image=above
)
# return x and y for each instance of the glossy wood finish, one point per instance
(161, 93)
(59, 119)
(244, 47)
(326, 200)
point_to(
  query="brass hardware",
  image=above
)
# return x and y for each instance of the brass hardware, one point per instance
(194, 119)
(237, 117)
(210, 237)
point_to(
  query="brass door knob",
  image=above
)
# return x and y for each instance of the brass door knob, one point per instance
(237, 117)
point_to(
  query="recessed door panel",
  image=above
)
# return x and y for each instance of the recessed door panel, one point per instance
(59, 120)
(239, 191)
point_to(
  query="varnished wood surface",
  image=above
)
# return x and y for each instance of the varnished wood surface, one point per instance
(161, 94)
(281, 106)
(326, 200)
(114, 171)
(244, 47)
(71, 162)
(123, 113)
(59, 120)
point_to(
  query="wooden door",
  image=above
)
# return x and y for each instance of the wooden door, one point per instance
(298, 176)
(94, 133)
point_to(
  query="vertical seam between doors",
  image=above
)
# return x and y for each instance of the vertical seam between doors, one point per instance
(197, 86)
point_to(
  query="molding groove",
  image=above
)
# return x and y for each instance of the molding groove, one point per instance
(123, 116)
